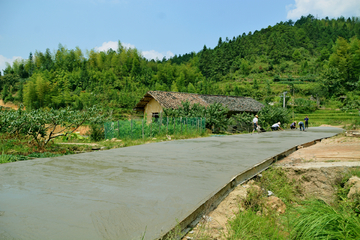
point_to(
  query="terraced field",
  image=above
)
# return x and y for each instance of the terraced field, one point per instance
(330, 117)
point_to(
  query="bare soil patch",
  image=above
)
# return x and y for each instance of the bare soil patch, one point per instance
(82, 130)
(336, 149)
(8, 105)
(317, 168)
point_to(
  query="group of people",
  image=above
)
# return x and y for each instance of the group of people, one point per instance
(276, 126)
(302, 125)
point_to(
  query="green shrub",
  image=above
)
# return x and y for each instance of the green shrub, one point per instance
(96, 132)
(352, 101)
(275, 180)
(243, 121)
(304, 105)
(5, 158)
(270, 115)
(215, 114)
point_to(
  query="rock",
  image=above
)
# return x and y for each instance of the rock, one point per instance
(206, 218)
(113, 139)
(354, 184)
(276, 204)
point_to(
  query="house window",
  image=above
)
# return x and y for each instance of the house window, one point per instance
(155, 115)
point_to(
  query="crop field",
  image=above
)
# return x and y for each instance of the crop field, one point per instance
(137, 129)
(330, 117)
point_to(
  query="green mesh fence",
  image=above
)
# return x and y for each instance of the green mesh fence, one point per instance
(137, 129)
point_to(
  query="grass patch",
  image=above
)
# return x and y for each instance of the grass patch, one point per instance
(303, 219)
(250, 225)
(5, 158)
(316, 219)
(275, 180)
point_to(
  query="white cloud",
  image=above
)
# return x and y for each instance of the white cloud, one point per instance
(4, 60)
(324, 8)
(152, 54)
(114, 45)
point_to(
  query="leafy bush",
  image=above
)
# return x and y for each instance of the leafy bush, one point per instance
(243, 121)
(216, 117)
(304, 105)
(96, 132)
(351, 102)
(276, 78)
(276, 180)
(5, 158)
(269, 115)
(215, 114)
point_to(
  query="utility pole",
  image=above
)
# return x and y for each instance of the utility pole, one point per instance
(284, 95)
(293, 106)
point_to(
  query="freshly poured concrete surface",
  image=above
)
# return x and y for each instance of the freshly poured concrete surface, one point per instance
(124, 193)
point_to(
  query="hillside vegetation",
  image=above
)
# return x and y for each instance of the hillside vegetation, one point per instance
(317, 61)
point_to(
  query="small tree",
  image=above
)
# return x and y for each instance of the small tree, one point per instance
(215, 114)
(45, 125)
(269, 115)
(216, 117)
(243, 121)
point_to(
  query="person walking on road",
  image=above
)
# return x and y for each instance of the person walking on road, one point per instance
(276, 127)
(255, 123)
(301, 126)
(306, 119)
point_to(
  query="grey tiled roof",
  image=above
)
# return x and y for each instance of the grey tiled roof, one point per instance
(174, 99)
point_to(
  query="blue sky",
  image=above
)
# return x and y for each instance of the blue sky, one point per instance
(158, 28)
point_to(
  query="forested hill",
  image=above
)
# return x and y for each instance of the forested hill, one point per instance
(285, 41)
(309, 57)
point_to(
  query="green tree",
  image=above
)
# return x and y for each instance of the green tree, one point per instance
(174, 87)
(296, 56)
(20, 96)
(30, 95)
(180, 82)
(191, 88)
(135, 69)
(5, 92)
(255, 85)
(42, 88)
(245, 67)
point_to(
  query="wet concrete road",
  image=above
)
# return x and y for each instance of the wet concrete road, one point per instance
(124, 193)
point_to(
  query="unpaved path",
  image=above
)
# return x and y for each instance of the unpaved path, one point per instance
(317, 167)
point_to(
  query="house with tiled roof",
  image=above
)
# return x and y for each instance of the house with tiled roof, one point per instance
(153, 102)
